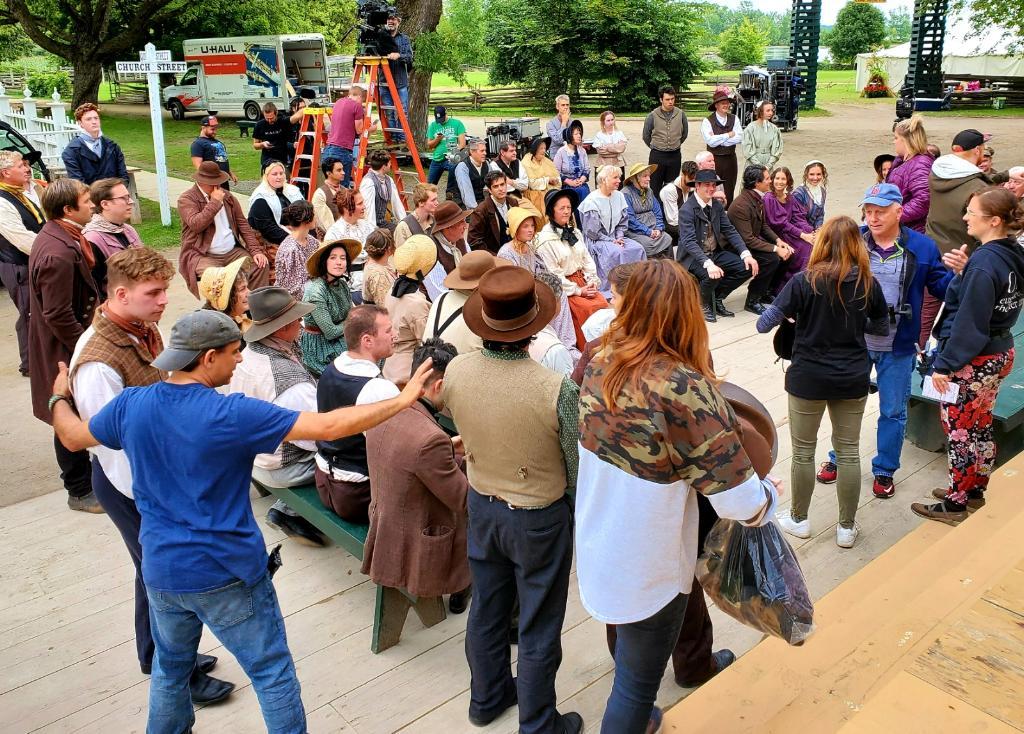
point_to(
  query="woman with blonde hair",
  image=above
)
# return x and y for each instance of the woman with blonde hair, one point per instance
(266, 206)
(610, 144)
(654, 432)
(833, 303)
(910, 171)
(812, 192)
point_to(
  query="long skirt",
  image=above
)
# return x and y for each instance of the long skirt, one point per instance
(796, 263)
(607, 255)
(581, 308)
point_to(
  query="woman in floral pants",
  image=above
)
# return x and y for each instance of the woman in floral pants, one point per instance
(976, 350)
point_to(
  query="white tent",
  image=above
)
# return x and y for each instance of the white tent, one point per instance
(987, 54)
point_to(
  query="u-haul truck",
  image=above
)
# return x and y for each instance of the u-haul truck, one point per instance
(237, 76)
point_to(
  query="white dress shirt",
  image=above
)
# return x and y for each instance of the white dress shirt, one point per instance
(717, 140)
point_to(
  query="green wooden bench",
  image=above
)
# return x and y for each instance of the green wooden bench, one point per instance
(392, 605)
(924, 428)
(245, 127)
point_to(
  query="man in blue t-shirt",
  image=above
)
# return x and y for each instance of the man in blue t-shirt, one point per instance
(191, 451)
(207, 148)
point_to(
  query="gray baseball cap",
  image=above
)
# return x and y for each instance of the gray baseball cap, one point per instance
(193, 334)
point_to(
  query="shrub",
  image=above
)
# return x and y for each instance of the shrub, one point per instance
(42, 83)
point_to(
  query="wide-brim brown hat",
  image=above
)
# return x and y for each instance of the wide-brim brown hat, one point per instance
(470, 269)
(352, 250)
(448, 215)
(721, 95)
(639, 169)
(507, 306)
(759, 438)
(209, 174)
(273, 307)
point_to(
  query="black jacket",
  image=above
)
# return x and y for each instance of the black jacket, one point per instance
(982, 306)
(87, 167)
(693, 225)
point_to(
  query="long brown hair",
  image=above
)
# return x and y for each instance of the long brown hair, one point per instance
(838, 249)
(659, 326)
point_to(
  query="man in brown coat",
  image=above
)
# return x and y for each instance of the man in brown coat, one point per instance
(215, 232)
(418, 521)
(62, 298)
(488, 224)
(747, 215)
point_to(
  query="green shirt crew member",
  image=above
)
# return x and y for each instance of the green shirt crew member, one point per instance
(444, 135)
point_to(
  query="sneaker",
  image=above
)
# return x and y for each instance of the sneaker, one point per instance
(846, 537)
(800, 529)
(827, 473)
(975, 498)
(86, 503)
(944, 511)
(882, 488)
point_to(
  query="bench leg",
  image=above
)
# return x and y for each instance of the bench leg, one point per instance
(392, 609)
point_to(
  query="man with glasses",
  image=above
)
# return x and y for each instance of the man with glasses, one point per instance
(207, 148)
(108, 230)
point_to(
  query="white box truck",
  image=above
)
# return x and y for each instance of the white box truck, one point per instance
(237, 76)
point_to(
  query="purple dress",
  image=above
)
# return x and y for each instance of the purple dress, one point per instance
(788, 221)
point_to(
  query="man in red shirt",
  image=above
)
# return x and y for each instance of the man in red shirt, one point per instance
(346, 125)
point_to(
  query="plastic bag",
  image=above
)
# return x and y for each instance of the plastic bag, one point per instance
(752, 575)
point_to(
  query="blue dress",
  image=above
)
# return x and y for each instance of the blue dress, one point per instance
(573, 164)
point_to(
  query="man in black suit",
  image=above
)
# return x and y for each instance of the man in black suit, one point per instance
(711, 248)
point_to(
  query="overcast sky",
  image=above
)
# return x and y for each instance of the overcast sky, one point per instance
(829, 8)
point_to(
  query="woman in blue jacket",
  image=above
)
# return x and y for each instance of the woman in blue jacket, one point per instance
(976, 349)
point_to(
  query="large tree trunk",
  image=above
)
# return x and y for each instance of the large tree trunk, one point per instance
(419, 16)
(88, 75)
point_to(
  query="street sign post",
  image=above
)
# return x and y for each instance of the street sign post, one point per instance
(154, 63)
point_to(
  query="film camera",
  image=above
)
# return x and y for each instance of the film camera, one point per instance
(520, 130)
(374, 37)
(781, 82)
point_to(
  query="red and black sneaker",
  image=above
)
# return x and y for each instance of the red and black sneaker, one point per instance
(827, 473)
(882, 487)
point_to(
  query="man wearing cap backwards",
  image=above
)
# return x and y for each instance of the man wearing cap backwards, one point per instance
(207, 148)
(214, 231)
(665, 130)
(449, 234)
(445, 321)
(272, 371)
(906, 265)
(446, 136)
(114, 353)
(711, 248)
(722, 132)
(954, 177)
(191, 451)
(520, 518)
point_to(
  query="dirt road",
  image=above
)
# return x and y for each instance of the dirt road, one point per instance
(847, 142)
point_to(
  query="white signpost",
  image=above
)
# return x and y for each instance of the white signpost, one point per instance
(154, 63)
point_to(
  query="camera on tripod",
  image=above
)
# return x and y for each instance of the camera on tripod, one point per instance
(374, 37)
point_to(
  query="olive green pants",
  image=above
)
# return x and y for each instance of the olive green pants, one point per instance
(804, 421)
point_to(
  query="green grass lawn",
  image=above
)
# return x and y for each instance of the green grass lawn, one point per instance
(153, 233)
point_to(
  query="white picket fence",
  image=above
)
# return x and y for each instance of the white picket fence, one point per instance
(49, 135)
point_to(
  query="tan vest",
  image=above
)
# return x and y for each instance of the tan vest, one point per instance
(666, 134)
(511, 433)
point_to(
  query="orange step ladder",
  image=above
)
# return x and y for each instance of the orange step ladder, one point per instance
(313, 136)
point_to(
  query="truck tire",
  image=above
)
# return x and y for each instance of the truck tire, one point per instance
(177, 109)
(251, 111)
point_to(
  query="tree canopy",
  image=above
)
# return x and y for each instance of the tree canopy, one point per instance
(859, 27)
(985, 14)
(628, 46)
(458, 41)
(742, 44)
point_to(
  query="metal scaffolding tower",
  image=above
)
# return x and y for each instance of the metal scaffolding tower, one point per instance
(924, 72)
(804, 34)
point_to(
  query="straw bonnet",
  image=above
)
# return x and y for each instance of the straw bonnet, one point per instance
(470, 269)
(273, 307)
(638, 169)
(415, 257)
(507, 306)
(721, 95)
(448, 215)
(315, 261)
(209, 174)
(519, 214)
(216, 283)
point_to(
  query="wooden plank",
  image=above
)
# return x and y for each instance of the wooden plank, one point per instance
(306, 502)
(910, 705)
(980, 660)
(1009, 592)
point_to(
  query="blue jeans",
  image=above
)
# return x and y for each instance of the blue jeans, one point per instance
(341, 154)
(393, 122)
(642, 650)
(439, 167)
(248, 621)
(892, 375)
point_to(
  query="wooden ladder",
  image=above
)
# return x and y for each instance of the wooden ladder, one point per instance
(311, 134)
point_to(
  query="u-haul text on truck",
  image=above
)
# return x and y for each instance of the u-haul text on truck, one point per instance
(237, 76)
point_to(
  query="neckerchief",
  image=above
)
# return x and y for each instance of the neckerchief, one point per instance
(139, 329)
(77, 233)
(19, 193)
